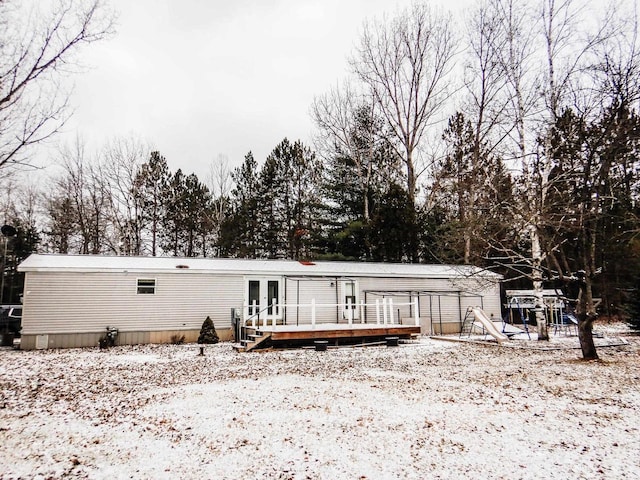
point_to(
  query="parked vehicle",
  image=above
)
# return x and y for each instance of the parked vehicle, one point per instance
(11, 319)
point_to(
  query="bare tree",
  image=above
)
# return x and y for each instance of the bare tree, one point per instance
(406, 62)
(518, 58)
(545, 33)
(220, 186)
(121, 162)
(82, 190)
(38, 44)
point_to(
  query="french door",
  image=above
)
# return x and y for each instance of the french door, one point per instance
(264, 296)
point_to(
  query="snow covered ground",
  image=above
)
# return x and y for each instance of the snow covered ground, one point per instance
(430, 409)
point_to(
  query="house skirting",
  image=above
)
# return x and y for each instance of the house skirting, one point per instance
(78, 340)
(445, 328)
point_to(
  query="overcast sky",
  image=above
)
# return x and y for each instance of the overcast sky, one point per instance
(198, 79)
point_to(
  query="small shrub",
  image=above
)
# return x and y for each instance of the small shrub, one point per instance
(177, 339)
(208, 332)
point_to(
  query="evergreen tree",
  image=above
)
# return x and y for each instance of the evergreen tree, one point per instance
(471, 191)
(239, 231)
(150, 186)
(197, 210)
(208, 332)
(18, 248)
(172, 233)
(61, 228)
(288, 200)
(356, 174)
(393, 227)
(586, 219)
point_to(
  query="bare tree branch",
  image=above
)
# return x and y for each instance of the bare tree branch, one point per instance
(37, 48)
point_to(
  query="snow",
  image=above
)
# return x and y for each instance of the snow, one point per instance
(428, 409)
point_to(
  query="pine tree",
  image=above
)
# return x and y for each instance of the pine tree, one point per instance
(393, 227)
(471, 189)
(288, 193)
(150, 185)
(208, 332)
(239, 230)
(358, 170)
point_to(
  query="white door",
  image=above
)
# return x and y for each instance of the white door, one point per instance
(350, 299)
(261, 295)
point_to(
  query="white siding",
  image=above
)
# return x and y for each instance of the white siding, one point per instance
(448, 306)
(88, 302)
(302, 291)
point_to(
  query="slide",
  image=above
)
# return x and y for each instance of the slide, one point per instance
(488, 325)
(571, 317)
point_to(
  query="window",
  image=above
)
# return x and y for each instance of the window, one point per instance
(272, 296)
(146, 286)
(254, 297)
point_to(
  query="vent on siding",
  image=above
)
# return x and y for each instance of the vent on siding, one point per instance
(306, 263)
(146, 286)
(182, 266)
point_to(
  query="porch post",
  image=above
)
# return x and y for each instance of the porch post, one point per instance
(362, 319)
(391, 318)
(254, 314)
(350, 310)
(377, 311)
(385, 314)
(313, 313)
(273, 313)
(416, 313)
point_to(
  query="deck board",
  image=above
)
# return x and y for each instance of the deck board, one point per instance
(336, 331)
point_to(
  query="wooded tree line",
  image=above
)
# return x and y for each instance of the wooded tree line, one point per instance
(507, 139)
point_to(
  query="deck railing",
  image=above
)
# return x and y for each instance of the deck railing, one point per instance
(276, 313)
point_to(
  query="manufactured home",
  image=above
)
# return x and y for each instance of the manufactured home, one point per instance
(70, 300)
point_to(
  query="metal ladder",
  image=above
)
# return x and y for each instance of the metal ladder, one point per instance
(467, 324)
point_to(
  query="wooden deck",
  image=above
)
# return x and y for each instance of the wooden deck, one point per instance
(261, 336)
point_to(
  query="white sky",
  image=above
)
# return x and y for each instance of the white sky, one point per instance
(197, 79)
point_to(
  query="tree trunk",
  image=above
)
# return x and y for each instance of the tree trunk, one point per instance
(585, 335)
(467, 248)
(536, 277)
(586, 315)
(411, 178)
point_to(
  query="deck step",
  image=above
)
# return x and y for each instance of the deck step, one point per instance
(254, 340)
(239, 348)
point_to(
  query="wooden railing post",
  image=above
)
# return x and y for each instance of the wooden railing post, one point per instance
(254, 313)
(273, 313)
(391, 317)
(385, 314)
(377, 311)
(313, 313)
(416, 313)
(350, 310)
